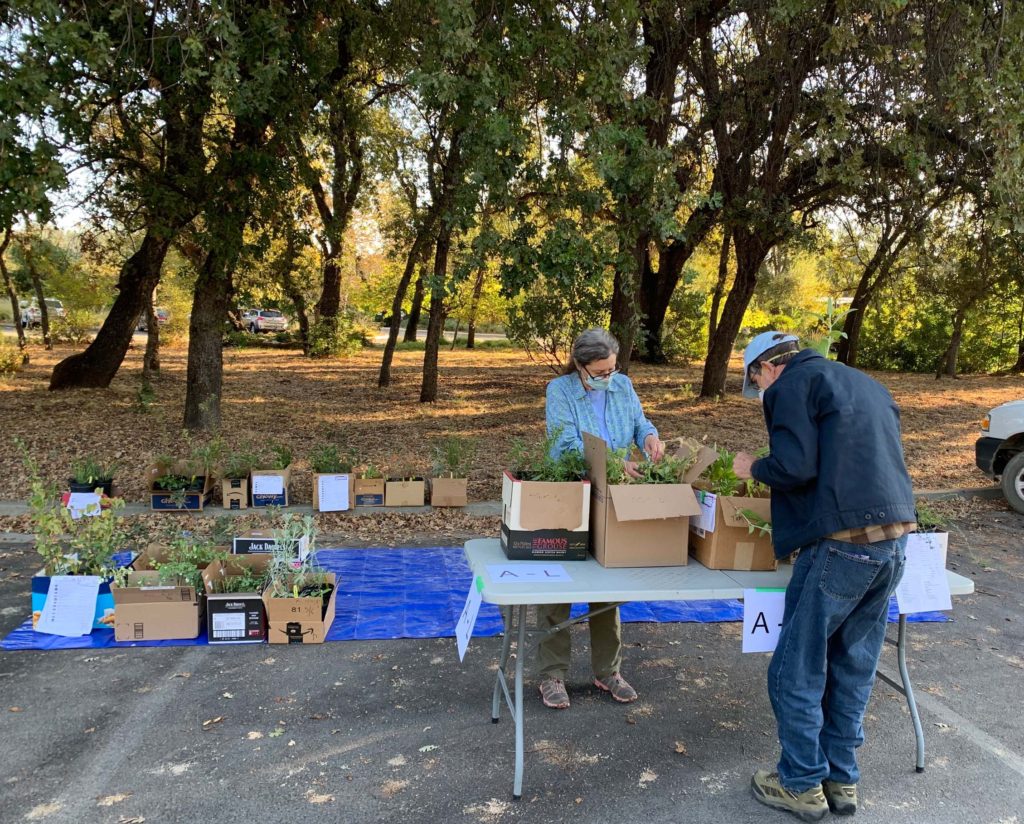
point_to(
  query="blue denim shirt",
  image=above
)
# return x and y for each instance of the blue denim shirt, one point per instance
(569, 408)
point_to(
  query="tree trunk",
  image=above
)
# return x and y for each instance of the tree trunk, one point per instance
(624, 304)
(330, 296)
(412, 323)
(97, 365)
(947, 363)
(474, 307)
(1019, 365)
(455, 335)
(435, 326)
(750, 254)
(723, 276)
(151, 360)
(13, 295)
(294, 293)
(37, 287)
(415, 253)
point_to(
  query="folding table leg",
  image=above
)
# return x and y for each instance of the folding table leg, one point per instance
(506, 646)
(908, 690)
(517, 784)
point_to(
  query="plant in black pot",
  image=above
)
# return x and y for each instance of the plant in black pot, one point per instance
(89, 474)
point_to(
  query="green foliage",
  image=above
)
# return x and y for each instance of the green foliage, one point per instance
(669, 470)
(281, 456)
(340, 336)
(145, 397)
(684, 335)
(87, 470)
(11, 360)
(74, 329)
(533, 462)
(243, 580)
(831, 321)
(329, 459)
(239, 463)
(187, 557)
(929, 519)
(755, 523)
(453, 456)
(369, 471)
(288, 576)
(721, 478)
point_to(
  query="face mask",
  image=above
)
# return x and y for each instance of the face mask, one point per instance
(600, 384)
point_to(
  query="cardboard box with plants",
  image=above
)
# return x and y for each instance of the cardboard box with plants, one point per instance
(234, 474)
(368, 486)
(299, 598)
(404, 486)
(271, 479)
(234, 599)
(178, 485)
(70, 547)
(733, 529)
(545, 504)
(162, 597)
(453, 457)
(332, 478)
(642, 522)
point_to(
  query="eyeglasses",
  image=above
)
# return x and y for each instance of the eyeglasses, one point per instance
(602, 376)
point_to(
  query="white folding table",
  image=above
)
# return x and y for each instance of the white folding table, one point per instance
(593, 583)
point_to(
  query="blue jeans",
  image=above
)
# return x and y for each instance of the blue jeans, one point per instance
(823, 668)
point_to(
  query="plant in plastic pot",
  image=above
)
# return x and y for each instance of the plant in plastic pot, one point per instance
(89, 474)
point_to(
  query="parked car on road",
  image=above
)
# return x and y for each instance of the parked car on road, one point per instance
(264, 320)
(999, 453)
(162, 317)
(31, 316)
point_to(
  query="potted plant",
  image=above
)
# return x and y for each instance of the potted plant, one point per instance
(368, 486)
(234, 472)
(404, 485)
(932, 529)
(300, 596)
(70, 545)
(332, 478)
(453, 457)
(89, 474)
(234, 599)
(271, 478)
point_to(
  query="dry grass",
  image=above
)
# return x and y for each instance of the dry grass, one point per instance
(492, 395)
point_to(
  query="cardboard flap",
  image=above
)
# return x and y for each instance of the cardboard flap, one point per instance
(647, 502)
(595, 455)
(552, 505)
(705, 456)
(732, 504)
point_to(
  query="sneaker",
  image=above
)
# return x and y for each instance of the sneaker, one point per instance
(841, 798)
(618, 687)
(553, 694)
(810, 805)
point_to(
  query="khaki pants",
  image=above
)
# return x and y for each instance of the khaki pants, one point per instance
(554, 651)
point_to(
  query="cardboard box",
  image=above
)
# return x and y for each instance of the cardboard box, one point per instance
(235, 493)
(147, 610)
(405, 493)
(721, 537)
(255, 541)
(448, 491)
(300, 620)
(260, 499)
(194, 499)
(368, 491)
(544, 521)
(640, 525)
(234, 617)
(103, 617)
(344, 481)
(155, 554)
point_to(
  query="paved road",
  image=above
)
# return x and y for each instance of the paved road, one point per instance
(385, 731)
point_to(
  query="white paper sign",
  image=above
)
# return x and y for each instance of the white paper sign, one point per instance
(268, 484)
(762, 618)
(924, 586)
(70, 605)
(529, 572)
(333, 492)
(83, 503)
(705, 522)
(466, 622)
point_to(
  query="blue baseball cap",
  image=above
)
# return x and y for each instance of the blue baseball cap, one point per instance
(757, 347)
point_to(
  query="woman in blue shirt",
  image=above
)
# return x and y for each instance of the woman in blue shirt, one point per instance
(592, 396)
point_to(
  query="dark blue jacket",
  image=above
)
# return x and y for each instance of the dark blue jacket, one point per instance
(836, 458)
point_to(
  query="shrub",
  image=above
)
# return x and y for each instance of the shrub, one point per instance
(343, 335)
(10, 360)
(73, 329)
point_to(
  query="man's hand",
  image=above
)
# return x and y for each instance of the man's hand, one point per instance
(654, 448)
(741, 465)
(630, 469)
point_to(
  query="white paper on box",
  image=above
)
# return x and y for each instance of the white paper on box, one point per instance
(70, 605)
(924, 586)
(268, 484)
(333, 492)
(705, 522)
(762, 618)
(527, 572)
(83, 503)
(466, 622)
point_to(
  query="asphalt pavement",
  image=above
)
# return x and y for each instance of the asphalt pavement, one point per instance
(399, 730)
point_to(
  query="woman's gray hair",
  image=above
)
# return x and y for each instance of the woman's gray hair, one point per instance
(590, 346)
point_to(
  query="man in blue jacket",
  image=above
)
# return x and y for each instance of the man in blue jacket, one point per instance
(842, 496)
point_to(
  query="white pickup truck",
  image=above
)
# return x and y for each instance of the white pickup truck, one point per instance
(999, 453)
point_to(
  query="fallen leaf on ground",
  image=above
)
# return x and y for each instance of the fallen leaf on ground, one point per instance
(680, 748)
(111, 800)
(254, 735)
(15, 709)
(208, 723)
(428, 748)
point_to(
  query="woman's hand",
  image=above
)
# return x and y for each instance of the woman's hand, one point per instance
(654, 448)
(630, 468)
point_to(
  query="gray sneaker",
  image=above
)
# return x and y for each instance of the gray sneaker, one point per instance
(810, 805)
(841, 798)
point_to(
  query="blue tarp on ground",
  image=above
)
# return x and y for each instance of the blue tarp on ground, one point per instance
(409, 593)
